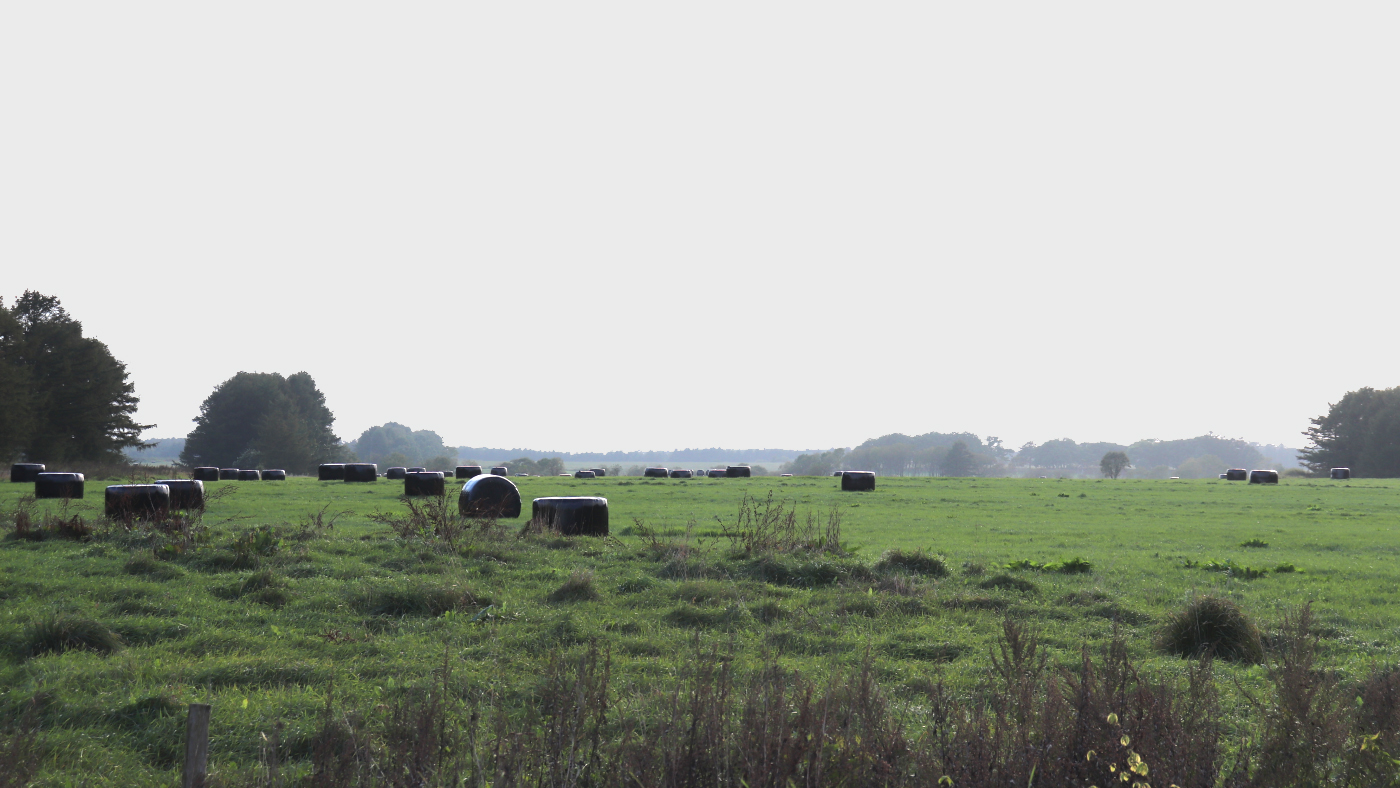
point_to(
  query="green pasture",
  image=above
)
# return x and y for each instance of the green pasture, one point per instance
(262, 613)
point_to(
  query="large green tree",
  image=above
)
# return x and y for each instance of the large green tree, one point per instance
(1113, 464)
(63, 396)
(417, 446)
(261, 419)
(1361, 431)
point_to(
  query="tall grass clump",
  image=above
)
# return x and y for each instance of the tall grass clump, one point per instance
(773, 526)
(578, 588)
(57, 633)
(918, 562)
(1213, 626)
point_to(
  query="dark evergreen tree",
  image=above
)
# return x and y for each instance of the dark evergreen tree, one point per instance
(261, 419)
(959, 461)
(1360, 432)
(65, 397)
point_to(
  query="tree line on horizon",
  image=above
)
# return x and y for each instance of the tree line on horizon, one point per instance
(65, 398)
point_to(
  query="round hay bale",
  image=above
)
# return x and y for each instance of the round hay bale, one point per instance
(1223, 476)
(228, 474)
(857, 481)
(425, 483)
(572, 516)
(656, 473)
(185, 493)
(137, 501)
(1263, 477)
(717, 473)
(784, 475)
(566, 475)
(1341, 473)
(681, 473)
(838, 474)
(468, 471)
(249, 475)
(396, 472)
(599, 472)
(585, 475)
(59, 485)
(205, 474)
(416, 470)
(330, 471)
(1237, 474)
(489, 495)
(738, 471)
(26, 471)
(361, 471)
(500, 470)
(275, 475)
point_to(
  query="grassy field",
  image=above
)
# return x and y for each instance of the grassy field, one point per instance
(263, 612)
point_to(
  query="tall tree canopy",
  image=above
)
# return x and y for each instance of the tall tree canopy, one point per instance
(261, 419)
(1360, 432)
(63, 396)
(376, 444)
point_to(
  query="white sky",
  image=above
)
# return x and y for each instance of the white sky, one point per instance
(742, 224)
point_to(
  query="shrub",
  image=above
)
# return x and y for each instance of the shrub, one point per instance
(1073, 566)
(1214, 626)
(58, 633)
(918, 562)
(578, 588)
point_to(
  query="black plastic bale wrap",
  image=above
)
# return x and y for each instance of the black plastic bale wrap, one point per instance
(738, 471)
(500, 470)
(228, 474)
(599, 472)
(857, 481)
(1341, 473)
(468, 471)
(26, 471)
(127, 501)
(59, 485)
(585, 474)
(415, 470)
(681, 473)
(249, 475)
(396, 472)
(185, 493)
(583, 516)
(656, 473)
(1263, 477)
(717, 473)
(274, 475)
(331, 472)
(489, 495)
(205, 474)
(425, 483)
(361, 471)
(1237, 474)
(837, 473)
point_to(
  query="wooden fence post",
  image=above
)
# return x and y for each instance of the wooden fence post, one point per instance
(196, 746)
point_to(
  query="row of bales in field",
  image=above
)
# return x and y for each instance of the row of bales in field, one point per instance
(1271, 476)
(211, 474)
(727, 472)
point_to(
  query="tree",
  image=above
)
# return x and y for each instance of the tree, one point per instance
(959, 461)
(1114, 463)
(1361, 432)
(65, 397)
(810, 464)
(261, 419)
(377, 443)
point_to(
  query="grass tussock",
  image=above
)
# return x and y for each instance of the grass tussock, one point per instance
(1005, 582)
(1214, 626)
(414, 600)
(578, 588)
(918, 562)
(58, 633)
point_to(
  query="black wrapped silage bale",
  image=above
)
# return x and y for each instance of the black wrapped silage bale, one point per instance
(717, 473)
(1236, 474)
(738, 471)
(361, 471)
(1263, 477)
(838, 474)
(468, 471)
(396, 472)
(137, 501)
(205, 474)
(250, 475)
(656, 473)
(185, 493)
(599, 472)
(585, 475)
(228, 474)
(1341, 474)
(425, 483)
(59, 485)
(274, 475)
(573, 516)
(331, 471)
(681, 473)
(26, 471)
(857, 481)
(500, 470)
(489, 495)
(416, 470)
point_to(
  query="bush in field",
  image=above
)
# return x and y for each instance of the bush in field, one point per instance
(1212, 625)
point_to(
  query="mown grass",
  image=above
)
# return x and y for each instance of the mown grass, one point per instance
(269, 609)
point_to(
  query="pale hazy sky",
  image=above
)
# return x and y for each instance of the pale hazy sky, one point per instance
(595, 226)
